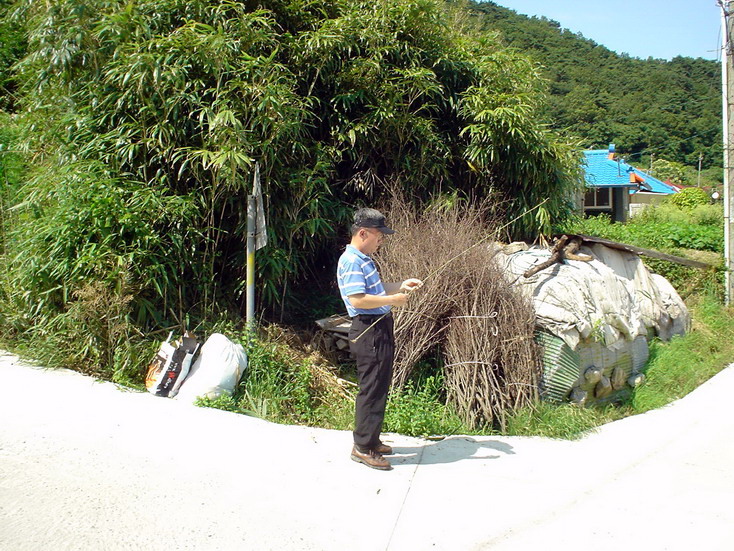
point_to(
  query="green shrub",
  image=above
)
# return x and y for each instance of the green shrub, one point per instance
(708, 215)
(699, 237)
(277, 384)
(689, 198)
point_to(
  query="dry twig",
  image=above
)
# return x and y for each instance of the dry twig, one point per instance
(483, 328)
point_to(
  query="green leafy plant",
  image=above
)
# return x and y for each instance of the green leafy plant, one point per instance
(144, 122)
(678, 367)
(417, 409)
(689, 198)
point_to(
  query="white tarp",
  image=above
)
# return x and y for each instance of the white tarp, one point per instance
(216, 371)
(612, 299)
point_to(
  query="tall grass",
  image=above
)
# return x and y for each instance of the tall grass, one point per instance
(680, 366)
(675, 368)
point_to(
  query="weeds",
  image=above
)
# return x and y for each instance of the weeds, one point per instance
(566, 421)
(285, 386)
(417, 409)
(674, 369)
(680, 366)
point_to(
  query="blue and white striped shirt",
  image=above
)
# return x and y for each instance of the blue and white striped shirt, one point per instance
(356, 273)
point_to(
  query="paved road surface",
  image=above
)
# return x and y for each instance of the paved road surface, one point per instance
(85, 465)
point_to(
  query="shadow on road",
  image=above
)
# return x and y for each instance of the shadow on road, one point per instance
(450, 450)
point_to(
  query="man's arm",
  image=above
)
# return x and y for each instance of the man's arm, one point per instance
(364, 301)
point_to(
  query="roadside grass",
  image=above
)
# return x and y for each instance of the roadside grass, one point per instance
(291, 385)
(418, 409)
(675, 368)
(284, 385)
(564, 421)
(680, 366)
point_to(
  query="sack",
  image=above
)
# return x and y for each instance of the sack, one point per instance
(168, 370)
(216, 371)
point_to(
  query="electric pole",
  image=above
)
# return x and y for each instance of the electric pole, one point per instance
(727, 81)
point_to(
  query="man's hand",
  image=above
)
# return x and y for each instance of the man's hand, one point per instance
(399, 299)
(411, 285)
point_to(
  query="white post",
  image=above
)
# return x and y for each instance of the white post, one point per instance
(727, 74)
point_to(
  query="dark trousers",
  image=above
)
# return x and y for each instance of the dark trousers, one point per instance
(374, 351)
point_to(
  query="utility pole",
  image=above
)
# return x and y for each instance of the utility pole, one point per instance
(727, 81)
(700, 158)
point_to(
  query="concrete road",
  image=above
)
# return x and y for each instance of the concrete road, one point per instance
(86, 465)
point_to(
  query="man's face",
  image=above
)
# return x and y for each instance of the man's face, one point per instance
(372, 239)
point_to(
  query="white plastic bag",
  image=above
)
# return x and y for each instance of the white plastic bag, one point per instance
(216, 371)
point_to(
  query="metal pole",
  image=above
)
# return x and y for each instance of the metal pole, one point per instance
(727, 74)
(251, 225)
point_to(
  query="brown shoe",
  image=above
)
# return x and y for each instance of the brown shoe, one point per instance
(371, 458)
(383, 449)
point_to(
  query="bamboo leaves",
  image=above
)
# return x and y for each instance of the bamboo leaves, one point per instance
(151, 115)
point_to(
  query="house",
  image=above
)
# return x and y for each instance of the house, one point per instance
(617, 188)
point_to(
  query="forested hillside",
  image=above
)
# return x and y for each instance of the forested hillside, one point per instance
(669, 108)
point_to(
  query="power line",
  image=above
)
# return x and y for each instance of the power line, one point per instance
(653, 149)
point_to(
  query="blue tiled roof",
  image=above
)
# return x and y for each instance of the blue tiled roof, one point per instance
(599, 171)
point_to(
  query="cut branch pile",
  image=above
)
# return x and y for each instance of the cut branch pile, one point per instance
(466, 309)
(492, 364)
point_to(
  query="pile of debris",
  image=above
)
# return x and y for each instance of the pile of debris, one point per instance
(595, 312)
(514, 323)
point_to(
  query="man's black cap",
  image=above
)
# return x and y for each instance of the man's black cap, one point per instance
(371, 218)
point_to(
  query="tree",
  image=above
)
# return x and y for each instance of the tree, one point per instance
(668, 170)
(147, 118)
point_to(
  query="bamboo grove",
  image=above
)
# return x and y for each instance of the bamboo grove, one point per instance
(141, 121)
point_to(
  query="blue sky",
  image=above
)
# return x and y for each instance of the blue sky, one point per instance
(642, 28)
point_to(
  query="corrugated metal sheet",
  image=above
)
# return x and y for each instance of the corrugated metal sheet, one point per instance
(640, 353)
(560, 367)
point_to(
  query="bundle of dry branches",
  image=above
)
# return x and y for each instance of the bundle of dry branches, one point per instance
(492, 364)
(423, 247)
(466, 307)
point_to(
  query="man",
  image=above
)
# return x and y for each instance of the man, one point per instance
(368, 303)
